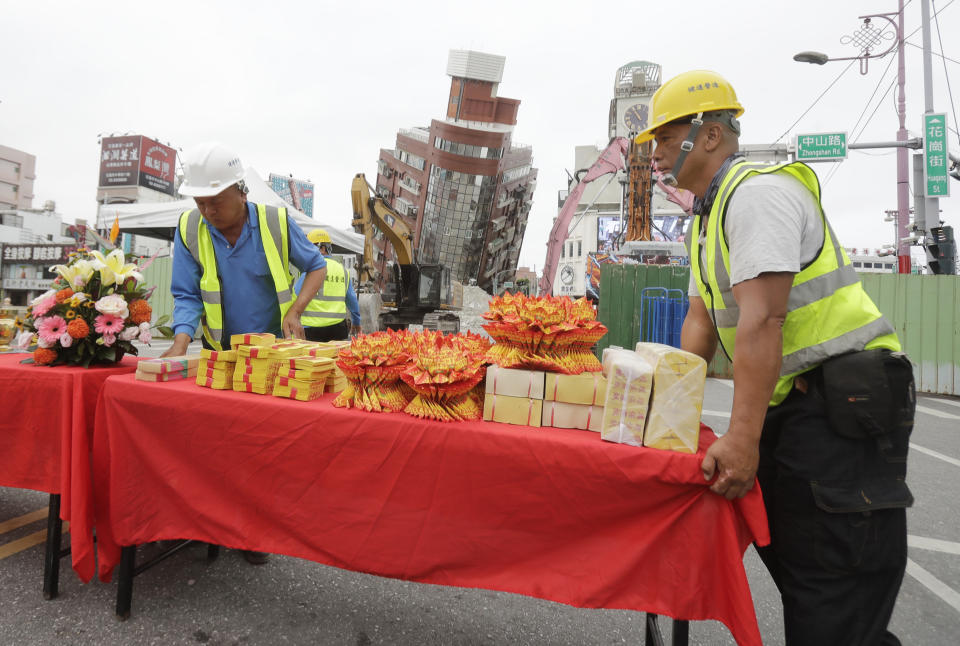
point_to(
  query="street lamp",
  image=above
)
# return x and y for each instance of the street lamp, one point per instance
(869, 38)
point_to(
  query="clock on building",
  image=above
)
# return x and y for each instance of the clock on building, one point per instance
(566, 275)
(636, 116)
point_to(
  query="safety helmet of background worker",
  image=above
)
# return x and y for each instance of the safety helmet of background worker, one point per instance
(210, 168)
(319, 237)
(696, 96)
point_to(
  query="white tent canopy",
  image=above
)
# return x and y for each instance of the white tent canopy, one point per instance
(159, 219)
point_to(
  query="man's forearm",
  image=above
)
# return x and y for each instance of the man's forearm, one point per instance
(756, 368)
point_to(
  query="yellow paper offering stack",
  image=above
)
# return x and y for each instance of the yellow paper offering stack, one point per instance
(252, 338)
(336, 382)
(574, 401)
(256, 368)
(629, 384)
(168, 368)
(673, 420)
(216, 369)
(514, 396)
(302, 378)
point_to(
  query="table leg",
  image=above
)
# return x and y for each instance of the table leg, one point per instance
(681, 632)
(128, 561)
(51, 555)
(213, 551)
(652, 636)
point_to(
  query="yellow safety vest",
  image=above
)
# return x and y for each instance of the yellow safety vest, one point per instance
(828, 312)
(329, 306)
(196, 237)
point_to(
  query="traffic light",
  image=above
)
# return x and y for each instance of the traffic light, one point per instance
(943, 251)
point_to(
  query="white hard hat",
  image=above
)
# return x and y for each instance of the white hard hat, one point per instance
(208, 169)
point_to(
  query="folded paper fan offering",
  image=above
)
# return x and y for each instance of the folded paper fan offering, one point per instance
(443, 372)
(548, 333)
(372, 365)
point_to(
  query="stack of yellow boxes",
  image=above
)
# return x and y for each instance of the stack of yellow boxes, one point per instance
(574, 401)
(513, 396)
(216, 369)
(302, 377)
(336, 381)
(255, 369)
(676, 403)
(168, 368)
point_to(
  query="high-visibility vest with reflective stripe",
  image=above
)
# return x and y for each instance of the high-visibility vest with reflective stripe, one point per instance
(329, 306)
(196, 237)
(828, 312)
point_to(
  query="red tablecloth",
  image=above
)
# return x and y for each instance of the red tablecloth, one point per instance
(552, 513)
(46, 425)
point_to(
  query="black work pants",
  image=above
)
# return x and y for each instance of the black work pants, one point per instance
(336, 332)
(837, 554)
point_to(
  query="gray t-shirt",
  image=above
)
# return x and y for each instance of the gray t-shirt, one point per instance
(773, 224)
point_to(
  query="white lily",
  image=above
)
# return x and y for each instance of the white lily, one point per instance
(77, 274)
(114, 268)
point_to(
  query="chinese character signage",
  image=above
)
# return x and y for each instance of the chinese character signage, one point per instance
(119, 161)
(935, 155)
(137, 161)
(157, 165)
(296, 192)
(32, 254)
(824, 146)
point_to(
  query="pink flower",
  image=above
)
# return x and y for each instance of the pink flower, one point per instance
(108, 324)
(130, 333)
(44, 306)
(51, 329)
(66, 340)
(108, 338)
(146, 337)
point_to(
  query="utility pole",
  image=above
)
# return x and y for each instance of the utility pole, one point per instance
(903, 174)
(931, 205)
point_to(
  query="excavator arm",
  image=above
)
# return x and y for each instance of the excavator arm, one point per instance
(370, 212)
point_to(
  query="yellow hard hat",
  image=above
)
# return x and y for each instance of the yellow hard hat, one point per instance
(689, 94)
(319, 236)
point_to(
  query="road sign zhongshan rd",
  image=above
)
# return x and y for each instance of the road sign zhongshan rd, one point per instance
(935, 155)
(824, 146)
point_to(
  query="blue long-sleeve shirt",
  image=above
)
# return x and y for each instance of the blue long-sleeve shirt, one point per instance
(353, 306)
(249, 294)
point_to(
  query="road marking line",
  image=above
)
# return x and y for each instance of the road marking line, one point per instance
(937, 413)
(26, 542)
(935, 585)
(946, 458)
(933, 544)
(715, 413)
(943, 401)
(20, 521)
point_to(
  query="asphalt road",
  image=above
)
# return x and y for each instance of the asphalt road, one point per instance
(188, 600)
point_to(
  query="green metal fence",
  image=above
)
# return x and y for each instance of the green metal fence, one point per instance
(158, 275)
(924, 310)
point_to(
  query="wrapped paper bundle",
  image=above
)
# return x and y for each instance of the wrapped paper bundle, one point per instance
(673, 420)
(172, 375)
(220, 355)
(169, 364)
(216, 370)
(443, 373)
(372, 364)
(629, 383)
(255, 369)
(543, 333)
(255, 338)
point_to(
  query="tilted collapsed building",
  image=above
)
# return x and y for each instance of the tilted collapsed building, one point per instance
(463, 186)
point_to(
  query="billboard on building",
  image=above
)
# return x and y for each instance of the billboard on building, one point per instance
(297, 192)
(608, 233)
(134, 160)
(37, 254)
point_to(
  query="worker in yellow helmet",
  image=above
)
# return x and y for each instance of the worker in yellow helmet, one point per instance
(325, 318)
(824, 399)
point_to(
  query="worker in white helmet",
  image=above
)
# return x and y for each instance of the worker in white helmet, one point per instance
(231, 262)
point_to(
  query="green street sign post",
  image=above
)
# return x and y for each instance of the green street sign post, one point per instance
(823, 146)
(935, 155)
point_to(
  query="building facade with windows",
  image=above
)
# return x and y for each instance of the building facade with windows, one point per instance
(462, 185)
(17, 173)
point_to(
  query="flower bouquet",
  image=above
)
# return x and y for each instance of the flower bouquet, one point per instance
(543, 333)
(95, 309)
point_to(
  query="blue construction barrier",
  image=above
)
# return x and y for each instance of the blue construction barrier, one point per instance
(661, 315)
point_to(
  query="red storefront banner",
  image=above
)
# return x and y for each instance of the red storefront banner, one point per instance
(157, 165)
(134, 160)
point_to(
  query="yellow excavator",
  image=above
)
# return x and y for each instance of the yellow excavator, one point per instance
(417, 290)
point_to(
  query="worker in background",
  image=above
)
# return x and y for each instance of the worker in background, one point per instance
(823, 398)
(325, 318)
(231, 260)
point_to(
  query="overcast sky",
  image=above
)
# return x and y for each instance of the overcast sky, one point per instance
(317, 88)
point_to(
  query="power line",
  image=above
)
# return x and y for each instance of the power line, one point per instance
(815, 101)
(936, 21)
(946, 58)
(856, 138)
